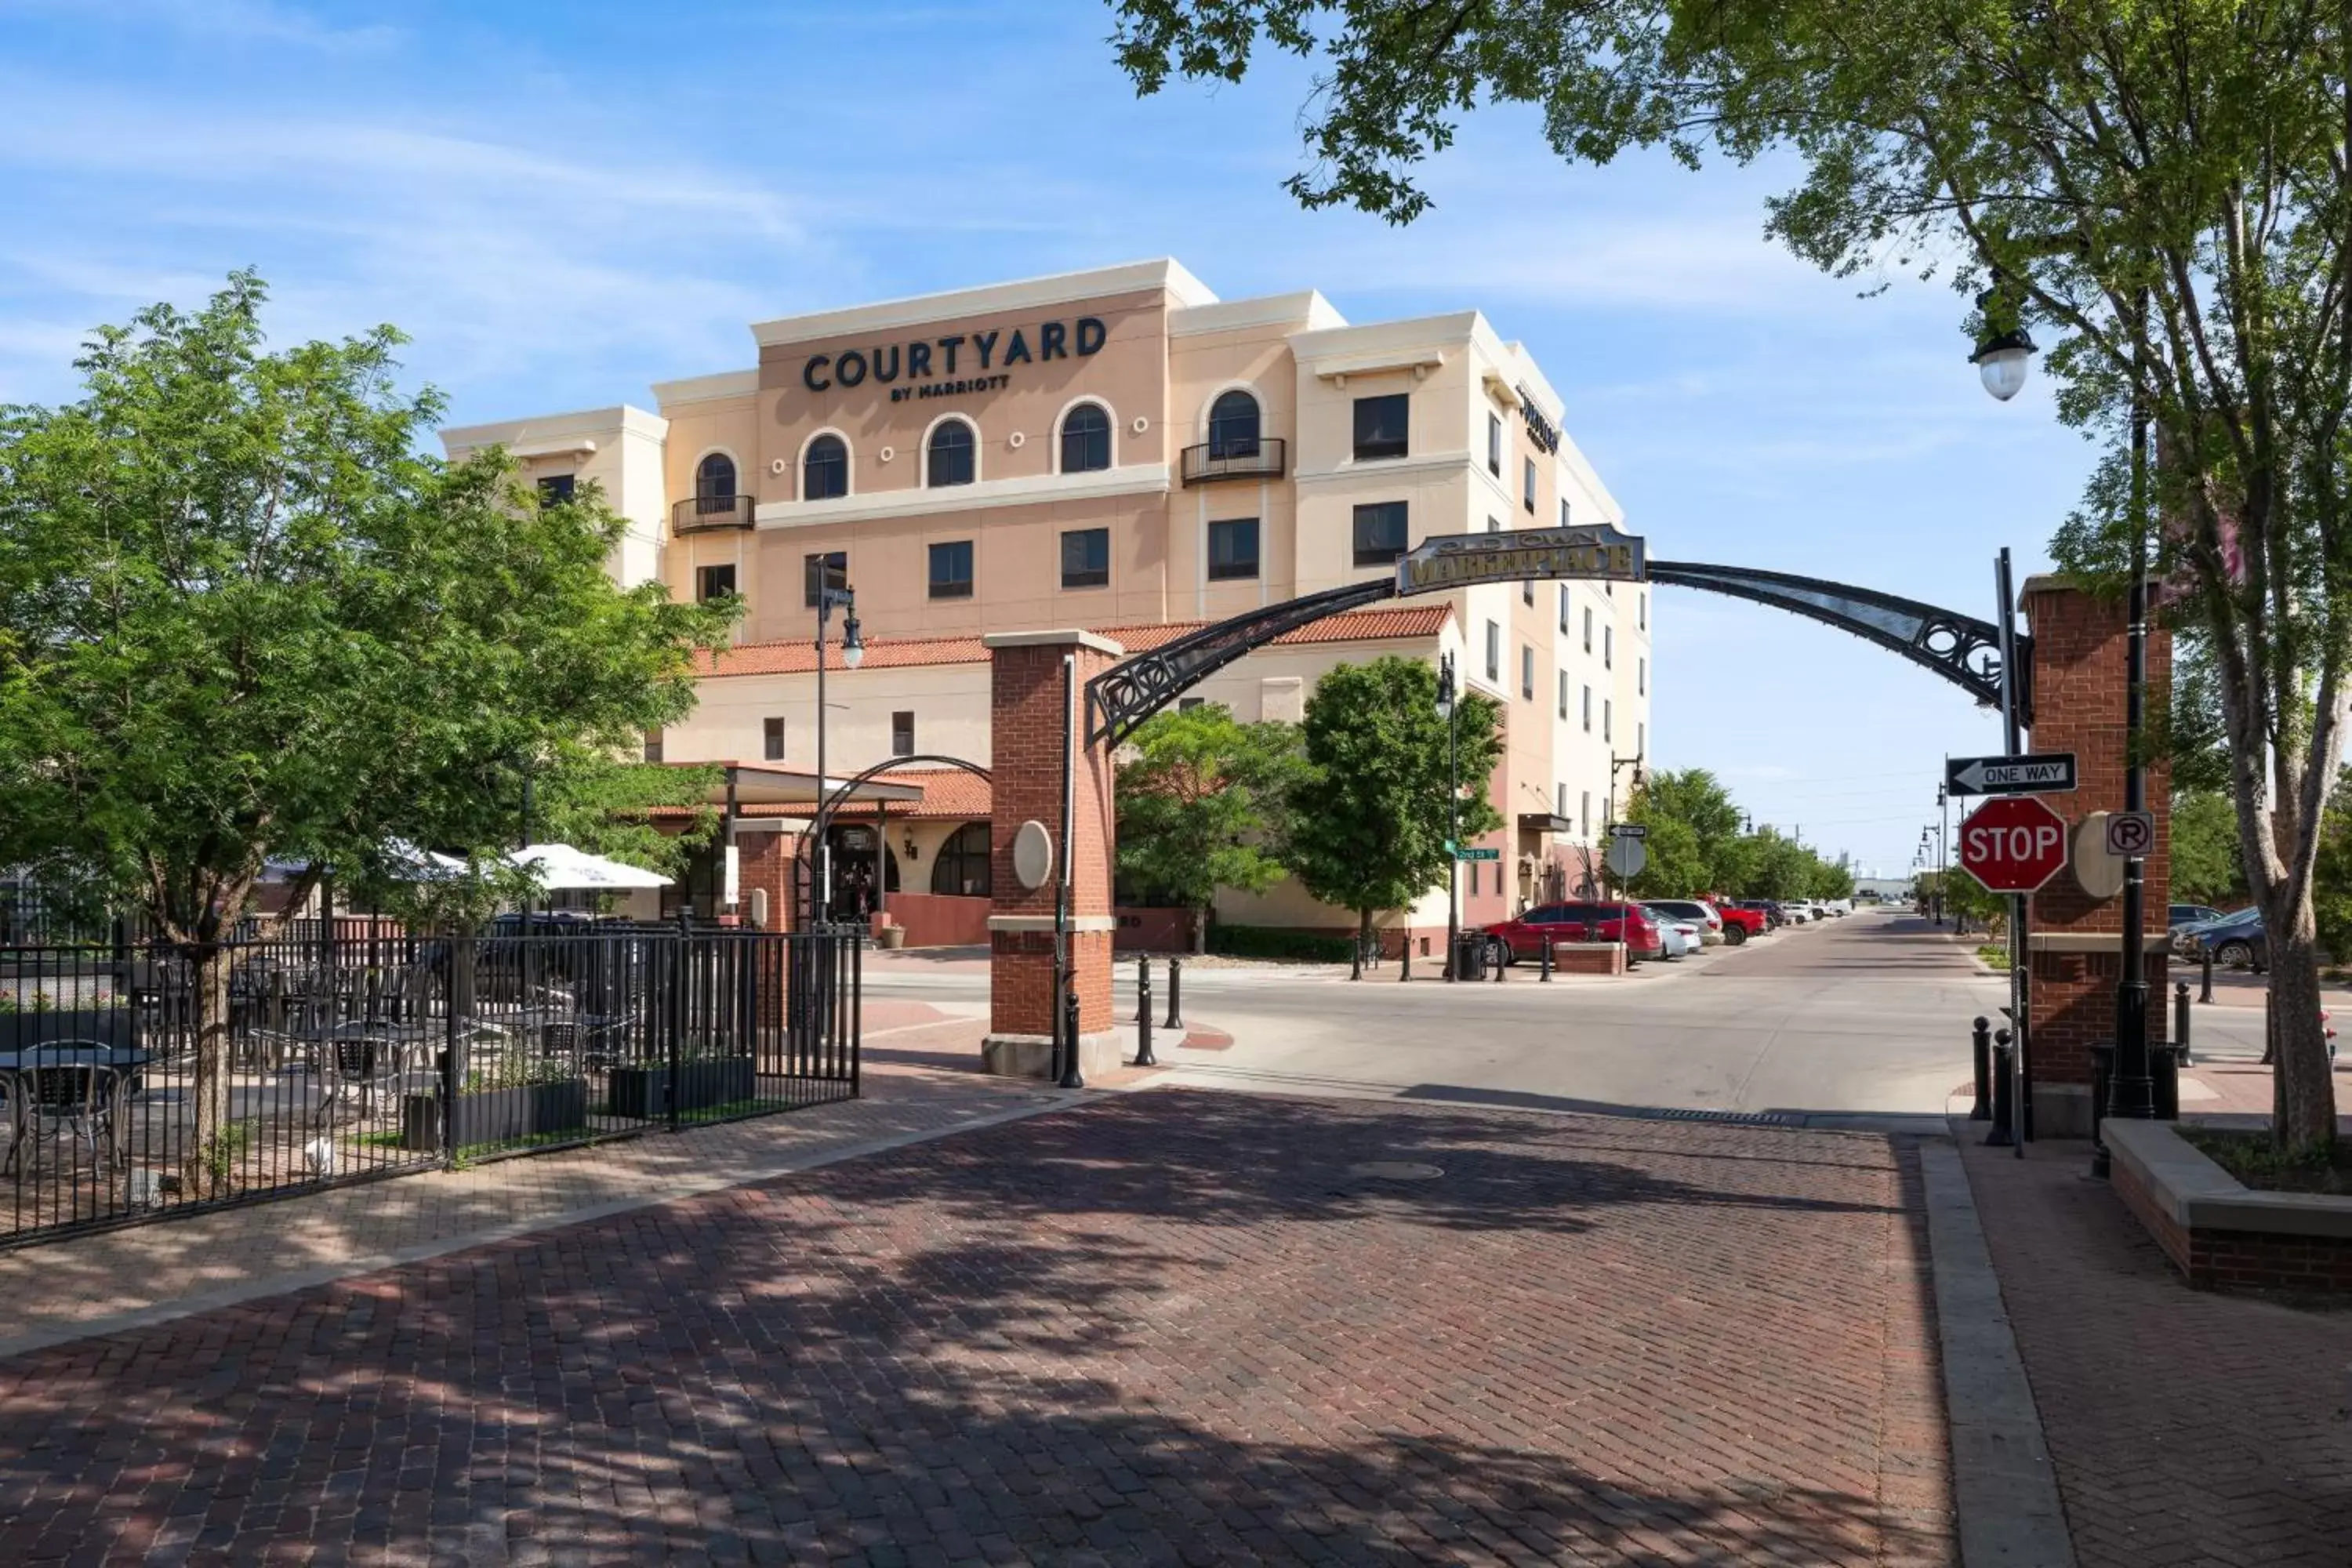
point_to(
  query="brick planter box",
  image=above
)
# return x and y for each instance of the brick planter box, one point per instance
(496, 1115)
(2221, 1234)
(1588, 958)
(703, 1082)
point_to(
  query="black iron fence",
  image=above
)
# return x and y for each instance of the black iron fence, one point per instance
(341, 1054)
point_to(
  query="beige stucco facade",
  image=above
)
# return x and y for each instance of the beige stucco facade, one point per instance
(1153, 349)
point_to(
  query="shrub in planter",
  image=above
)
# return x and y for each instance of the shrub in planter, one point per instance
(1275, 942)
(496, 1115)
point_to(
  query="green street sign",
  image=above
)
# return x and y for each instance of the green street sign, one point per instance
(1477, 855)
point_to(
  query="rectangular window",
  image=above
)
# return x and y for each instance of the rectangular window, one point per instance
(1380, 532)
(828, 568)
(1494, 445)
(1587, 710)
(1493, 654)
(1563, 609)
(1233, 549)
(1561, 809)
(1381, 425)
(1563, 511)
(951, 570)
(556, 488)
(653, 746)
(1587, 628)
(1086, 558)
(1642, 617)
(1527, 485)
(1563, 694)
(1528, 592)
(1584, 810)
(771, 739)
(1527, 673)
(713, 582)
(1641, 740)
(902, 733)
(1607, 711)
(1609, 647)
(1640, 678)
(1494, 525)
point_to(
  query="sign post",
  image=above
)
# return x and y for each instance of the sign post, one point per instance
(2013, 845)
(2021, 1001)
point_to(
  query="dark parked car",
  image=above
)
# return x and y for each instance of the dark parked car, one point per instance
(2192, 915)
(1525, 936)
(2237, 942)
(1774, 915)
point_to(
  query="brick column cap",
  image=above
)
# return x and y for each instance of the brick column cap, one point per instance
(1072, 638)
(2049, 583)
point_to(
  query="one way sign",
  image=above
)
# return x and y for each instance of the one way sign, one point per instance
(2044, 772)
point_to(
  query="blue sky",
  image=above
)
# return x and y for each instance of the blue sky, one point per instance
(563, 203)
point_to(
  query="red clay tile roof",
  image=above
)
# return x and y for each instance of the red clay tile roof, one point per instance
(797, 657)
(947, 793)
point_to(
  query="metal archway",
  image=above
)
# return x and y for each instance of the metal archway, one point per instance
(803, 874)
(1963, 649)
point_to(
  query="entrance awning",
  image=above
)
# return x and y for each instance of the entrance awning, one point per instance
(1546, 822)
(748, 783)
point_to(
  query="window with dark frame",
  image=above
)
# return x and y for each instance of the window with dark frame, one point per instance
(1587, 628)
(713, 582)
(1640, 678)
(1527, 673)
(1527, 485)
(828, 568)
(1563, 694)
(1493, 654)
(1233, 425)
(1086, 558)
(653, 745)
(1563, 511)
(1563, 609)
(951, 457)
(1380, 532)
(1381, 425)
(1607, 718)
(556, 488)
(1085, 439)
(1609, 647)
(1642, 615)
(1587, 710)
(960, 870)
(1494, 445)
(902, 732)
(1233, 549)
(714, 484)
(772, 739)
(951, 570)
(824, 471)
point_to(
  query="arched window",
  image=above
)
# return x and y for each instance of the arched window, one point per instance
(714, 484)
(824, 472)
(960, 868)
(1085, 439)
(1232, 426)
(952, 450)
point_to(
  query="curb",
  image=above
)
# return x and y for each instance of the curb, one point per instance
(2004, 1489)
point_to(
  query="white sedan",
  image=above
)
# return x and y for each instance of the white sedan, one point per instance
(1677, 936)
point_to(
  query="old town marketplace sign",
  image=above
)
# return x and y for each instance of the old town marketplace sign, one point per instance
(1462, 559)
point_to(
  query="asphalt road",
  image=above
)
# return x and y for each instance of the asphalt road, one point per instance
(1867, 1015)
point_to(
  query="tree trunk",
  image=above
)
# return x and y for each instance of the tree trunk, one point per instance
(2303, 1083)
(1201, 931)
(204, 1170)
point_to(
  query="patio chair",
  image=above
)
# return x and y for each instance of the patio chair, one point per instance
(71, 1097)
(355, 1064)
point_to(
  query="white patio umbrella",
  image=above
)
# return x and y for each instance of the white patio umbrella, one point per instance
(561, 869)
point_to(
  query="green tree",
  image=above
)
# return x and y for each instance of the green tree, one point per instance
(2205, 868)
(2161, 190)
(1688, 807)
(241, 619)
(1369, 819)
(1203, 805)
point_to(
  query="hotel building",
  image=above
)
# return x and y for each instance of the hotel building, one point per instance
(1117, 449)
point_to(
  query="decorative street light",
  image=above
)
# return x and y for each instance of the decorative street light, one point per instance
(2002, 358)
(1445, 708)
(853, 654)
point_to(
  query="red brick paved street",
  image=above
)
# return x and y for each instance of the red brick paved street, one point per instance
(2187, 1427)
(1168, 1327)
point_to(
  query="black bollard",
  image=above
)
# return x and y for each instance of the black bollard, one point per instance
(1543, 970)
(2205, 989)
(1175, 994)
(2002, 1113)
(1071, 1077)
(1143, 989)
(1502, 963)
(1980, 1048)
(2102, 1080)
(1143, 1057)
(2180, 1024)
(2164, 1080)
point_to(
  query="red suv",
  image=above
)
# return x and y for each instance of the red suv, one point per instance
(1524, 937)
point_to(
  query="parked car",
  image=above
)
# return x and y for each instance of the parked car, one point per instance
(1676, 937)
(1800, 911)
(1741, 919)
(1775, 917)
(2185, 915)
(2185, 939)
(2238, 942)
(1713, 931)
(1840, 907)
(1523, 937)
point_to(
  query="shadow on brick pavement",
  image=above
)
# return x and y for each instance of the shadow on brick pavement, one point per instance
(1168, 1327)
(2186, 1428)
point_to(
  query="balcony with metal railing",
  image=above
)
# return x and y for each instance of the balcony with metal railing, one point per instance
(702, 513)
(1261, 459)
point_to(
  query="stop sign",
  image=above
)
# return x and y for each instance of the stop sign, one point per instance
(2013, 844)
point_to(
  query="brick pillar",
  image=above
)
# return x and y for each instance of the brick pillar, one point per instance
(1027, 709)
(764, 860)
(2075, 941)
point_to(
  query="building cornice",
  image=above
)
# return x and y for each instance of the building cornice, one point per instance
(706, 388)
(541, 430)
(1128, 479)
(1374, 471)
(1307, 310)
(1025, 294)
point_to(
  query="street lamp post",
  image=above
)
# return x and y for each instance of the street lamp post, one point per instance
(1943, 846)
(2132, 1093)
(853, 652)
(1445, 709)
